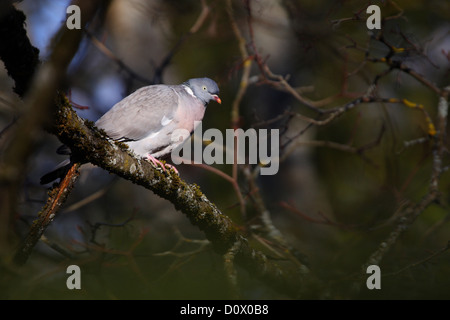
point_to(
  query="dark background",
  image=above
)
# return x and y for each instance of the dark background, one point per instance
(336, 204)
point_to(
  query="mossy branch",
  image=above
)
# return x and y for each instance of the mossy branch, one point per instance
(90, 145)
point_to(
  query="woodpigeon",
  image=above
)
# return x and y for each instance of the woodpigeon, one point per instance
(146, 119)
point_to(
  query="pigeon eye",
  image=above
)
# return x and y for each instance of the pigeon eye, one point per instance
(204, 88)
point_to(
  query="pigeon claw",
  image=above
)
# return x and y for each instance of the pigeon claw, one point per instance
(158, 163)
(169, 166)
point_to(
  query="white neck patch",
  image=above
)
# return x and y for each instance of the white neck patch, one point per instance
(189, 90)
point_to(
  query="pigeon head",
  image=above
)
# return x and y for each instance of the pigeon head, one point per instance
(205, 89)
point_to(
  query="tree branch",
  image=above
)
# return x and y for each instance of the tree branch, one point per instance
(89, 144)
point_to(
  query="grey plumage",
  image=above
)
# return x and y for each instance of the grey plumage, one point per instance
(145, 119)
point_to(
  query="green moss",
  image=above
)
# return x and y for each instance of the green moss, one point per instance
(122, 145)
(196, 189)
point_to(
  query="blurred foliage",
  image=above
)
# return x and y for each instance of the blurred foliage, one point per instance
(319, 44)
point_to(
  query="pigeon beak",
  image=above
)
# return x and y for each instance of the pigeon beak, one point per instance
(216, 98)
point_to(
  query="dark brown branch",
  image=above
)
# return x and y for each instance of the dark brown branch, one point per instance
(56, 199)
(19, 56)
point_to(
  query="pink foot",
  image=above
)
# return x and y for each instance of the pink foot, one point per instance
(158, 163)
(169, 166)
(155, 162)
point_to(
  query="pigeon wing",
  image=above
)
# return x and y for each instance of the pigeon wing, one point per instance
(140, 114)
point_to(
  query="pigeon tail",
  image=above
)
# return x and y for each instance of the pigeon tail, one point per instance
(58, 173)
